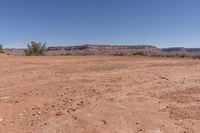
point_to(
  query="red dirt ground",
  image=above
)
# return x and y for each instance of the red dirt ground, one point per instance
(95, 94)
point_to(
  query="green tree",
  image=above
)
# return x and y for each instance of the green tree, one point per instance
(35, 49)
(1, 48)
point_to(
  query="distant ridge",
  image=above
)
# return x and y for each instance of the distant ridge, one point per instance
(93, 49)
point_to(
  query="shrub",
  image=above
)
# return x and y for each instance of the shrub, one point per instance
(196, 57)
(35, 49)
(86, 54)
(139, 53)
(183, 55)
(119, 54)
(1, 48)
(67, 54)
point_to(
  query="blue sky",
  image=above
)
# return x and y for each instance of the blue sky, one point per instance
(164, 23)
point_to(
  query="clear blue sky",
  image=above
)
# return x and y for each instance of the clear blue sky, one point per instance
(164, 23)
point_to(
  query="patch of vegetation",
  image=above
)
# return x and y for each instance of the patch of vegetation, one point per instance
(86, 54)
(119, 54)
(178, 56)
(196, 57)
(67, 54)
(35, 49)
(1, 49)
(139, 53)
(183, 56)
(170, 56)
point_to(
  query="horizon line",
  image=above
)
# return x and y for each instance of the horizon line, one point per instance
(92, 44)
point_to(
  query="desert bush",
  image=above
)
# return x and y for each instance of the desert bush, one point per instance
(196, 57)
(156, 55)
(171, 56)
(66, 54)
(35, 49)
(119, 54)
(86, 54)
(183, 56)
(139, 53)
(1, 48)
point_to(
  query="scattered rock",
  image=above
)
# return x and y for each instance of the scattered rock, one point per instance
(59, 113)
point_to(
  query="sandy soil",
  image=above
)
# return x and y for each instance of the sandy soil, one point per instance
(99, 95)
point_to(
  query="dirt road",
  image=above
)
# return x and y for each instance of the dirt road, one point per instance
(99, 95)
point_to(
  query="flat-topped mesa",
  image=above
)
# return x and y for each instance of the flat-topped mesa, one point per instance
(67, 48)
(14, 51)
(175, 51)
(181, 51)
(81, 47)
(122, 46)
(93, 49)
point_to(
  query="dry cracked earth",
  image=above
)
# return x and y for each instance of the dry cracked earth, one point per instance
(97, 94)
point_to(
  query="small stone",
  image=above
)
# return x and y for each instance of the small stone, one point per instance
(39, 113)
(59, 113)
(16, 101)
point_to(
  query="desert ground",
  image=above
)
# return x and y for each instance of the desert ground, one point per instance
(99, 94)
